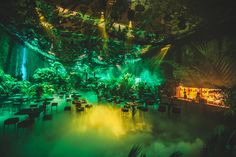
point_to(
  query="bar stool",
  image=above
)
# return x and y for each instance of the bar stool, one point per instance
(176, 112)
(162, 109)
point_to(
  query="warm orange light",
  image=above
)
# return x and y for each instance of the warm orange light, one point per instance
(208, 95)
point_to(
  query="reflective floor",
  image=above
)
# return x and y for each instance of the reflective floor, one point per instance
(105, 131)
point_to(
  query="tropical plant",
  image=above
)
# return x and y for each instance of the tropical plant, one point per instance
(41, 89)
(2, 90)
(176, 154)
(136, 151)
(214, 66)
(21, 87)
(221, 143)
(126, 85)
(6, 83)
(76, 79)
(230, 99)
(59, 79)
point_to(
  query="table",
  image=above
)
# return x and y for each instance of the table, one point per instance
(11, 121)
(48, 99)
(132, 104)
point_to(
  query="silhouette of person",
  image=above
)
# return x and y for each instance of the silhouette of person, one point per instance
(185, 95)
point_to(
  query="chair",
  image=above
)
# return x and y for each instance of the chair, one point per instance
(176, 112)
(33, 105)
(45, 106)
(110, 100)
(78, 104)
(88, 106)
(124, 111)
(47, 117)
(83, 101)
(36, 112)
(24, 111)
(46, 103)
(54, 105)
(79, 109)
(25, 124)
(37, 101)
(127, 106)
(162, 108)
(67, 108)
(68, 100)
(142, 108)
(49, 99)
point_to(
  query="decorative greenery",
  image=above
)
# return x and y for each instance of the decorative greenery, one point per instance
(41, 89)
(73, 30)
(128, 89)
(53, 76)
(21, 87)
(230, 99)
(6, 83)
(136, 151)
(215, 65)
(10, 85)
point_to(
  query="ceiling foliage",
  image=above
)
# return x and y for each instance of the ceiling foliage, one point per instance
(108, 29)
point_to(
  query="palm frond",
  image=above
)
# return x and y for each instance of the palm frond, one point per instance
(176, 154)
(211, 63)
(135, 151)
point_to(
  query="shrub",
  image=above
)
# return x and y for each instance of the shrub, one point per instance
(52, 76)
